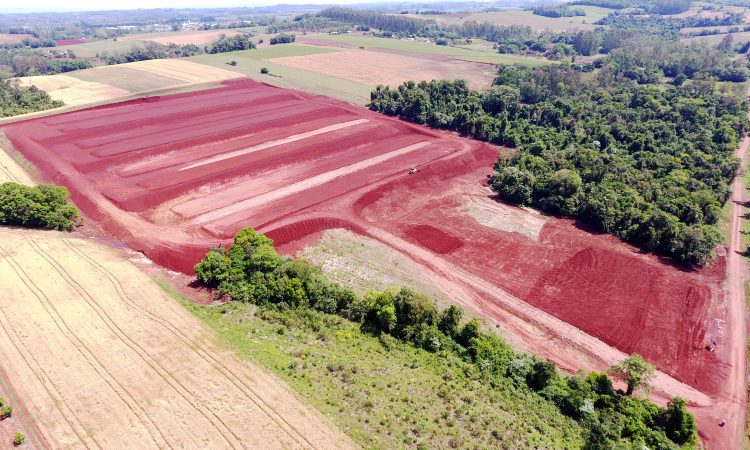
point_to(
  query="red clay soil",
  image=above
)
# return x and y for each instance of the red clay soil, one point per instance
(173, 175)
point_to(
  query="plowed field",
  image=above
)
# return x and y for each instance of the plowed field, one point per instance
(173, 175)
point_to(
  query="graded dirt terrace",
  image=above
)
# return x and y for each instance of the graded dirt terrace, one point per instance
(173, 175)
(96, 356)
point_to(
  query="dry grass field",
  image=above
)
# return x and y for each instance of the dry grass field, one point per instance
(106, 83)
(100, 357)
(527, 18)
(369, 67)
(196, 37)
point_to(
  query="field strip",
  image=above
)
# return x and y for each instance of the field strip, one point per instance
(105, 305)
(41, 375)
(265, 145)
(605, 352)
(275, 143)
(194, 148)
(303, 185)
(141, 352)
(238, 382)
(122, 393)
(10, 170)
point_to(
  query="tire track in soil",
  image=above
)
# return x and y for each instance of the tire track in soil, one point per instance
(46, 381)
(135, 347)
(238, 382)
(7, 172)
(27, 421)
(101, 370)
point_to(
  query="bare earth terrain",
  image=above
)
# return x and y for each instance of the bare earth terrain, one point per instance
(100, 357)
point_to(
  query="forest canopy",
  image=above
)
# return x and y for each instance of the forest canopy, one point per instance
(648, 164)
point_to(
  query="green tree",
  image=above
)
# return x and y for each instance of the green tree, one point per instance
(449, 321)
(634, 371)
(382, 310)
(514, 185)
(678, 423)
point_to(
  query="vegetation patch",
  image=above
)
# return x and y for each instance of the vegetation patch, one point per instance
(41, 206)
(649, 165)
(326, 327)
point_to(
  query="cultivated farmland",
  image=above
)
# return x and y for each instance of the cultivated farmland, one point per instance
(105, 83)
(173, 175)
(99, 357)
(195, 37)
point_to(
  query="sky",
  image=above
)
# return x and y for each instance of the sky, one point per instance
(92, 5)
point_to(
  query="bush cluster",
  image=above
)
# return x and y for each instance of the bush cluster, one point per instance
(42, 206)
(282, 38)
(250, 270)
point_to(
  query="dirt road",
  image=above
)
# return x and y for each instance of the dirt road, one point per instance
(732, 405)
(100, 357)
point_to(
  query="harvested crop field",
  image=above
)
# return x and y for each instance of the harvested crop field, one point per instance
(367, 67)
(6, 38)
(197, 37)
(99, 357)
(173, 175)
(105, 83)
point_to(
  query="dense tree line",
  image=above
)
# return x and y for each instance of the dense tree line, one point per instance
(666, 27)
(282, 39)
(43, 206)
(231, 44)
(304, 23)
(374, 19)
(646, 164)
(30, 63)
(650, 6)
(407, 26)
(152, 50)
(16, 100)
(647, 61)
(250, 270)
(557, 11)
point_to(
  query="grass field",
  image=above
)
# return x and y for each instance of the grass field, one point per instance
(387, 398)
(248, 63)
(521, 17)
(459, 53)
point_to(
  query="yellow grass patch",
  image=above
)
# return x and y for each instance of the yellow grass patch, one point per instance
(199, 37)
(381, 67)
(99, 357)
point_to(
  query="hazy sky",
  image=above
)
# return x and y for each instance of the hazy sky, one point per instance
(58, 5)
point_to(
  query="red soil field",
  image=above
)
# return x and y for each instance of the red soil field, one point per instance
(171, 176)
(62, 42)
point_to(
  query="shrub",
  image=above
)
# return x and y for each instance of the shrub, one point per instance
(6, 411)
(19, 439)
(264, 70)
(44, 206)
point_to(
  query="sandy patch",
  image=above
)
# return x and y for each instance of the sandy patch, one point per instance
(376, 67)
(500, 216)
(102, 358)
(363, 264)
